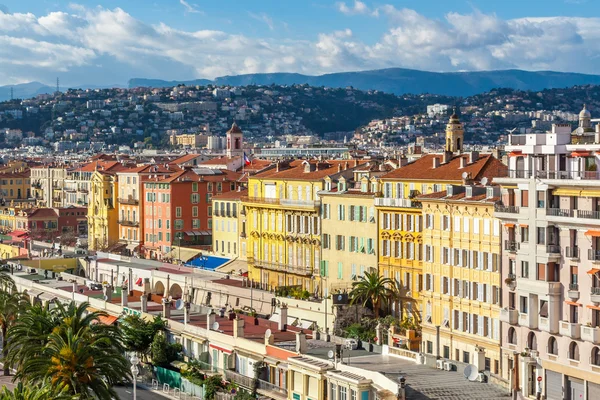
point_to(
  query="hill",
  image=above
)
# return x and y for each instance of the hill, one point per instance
(401, 81)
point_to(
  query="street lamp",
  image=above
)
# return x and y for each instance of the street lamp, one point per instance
(134, 372)
(401, 388)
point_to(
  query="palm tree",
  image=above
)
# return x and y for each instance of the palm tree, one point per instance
(77, 355)
(371, 287)
(28, 392)
(396, 290)
(11, 303)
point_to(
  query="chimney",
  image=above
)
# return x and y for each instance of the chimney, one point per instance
(301, 346)
(166, 308)
(277, 166)
(283, 318)
(356, 162)
(597, 134)
(124, 293)
(339, 167)
(436, 162)
(473, 157)
(463, 162)
(346, 165)
(269, 339)
(238, 327)
(402, 161)
(210, 319)
(144, 303)
(447, 157)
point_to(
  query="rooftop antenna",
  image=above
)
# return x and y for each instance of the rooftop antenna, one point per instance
(12, 93)
(57, 87)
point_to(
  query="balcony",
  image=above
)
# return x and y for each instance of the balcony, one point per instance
(392, 202)
(511, 246)
(280, 267)
(590, 334)
(594, 255)
(588, 214)
(548, 325)
(560, 212)
(303, 204)
(553, 249)
(578, 175)
(506, 209)
(572, 252)
(573, 292)
(248, 383)
(509, 315)
(570, 329)
(125, 222)
(595, 295)
(529, 320)
(129, 200)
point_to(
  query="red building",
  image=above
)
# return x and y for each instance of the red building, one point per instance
(177, 208)
(49, 223)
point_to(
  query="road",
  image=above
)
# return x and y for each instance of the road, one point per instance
(126, 393)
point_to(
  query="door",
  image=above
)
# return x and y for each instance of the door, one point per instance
(576, 389)
(553, 385)
(532, 380)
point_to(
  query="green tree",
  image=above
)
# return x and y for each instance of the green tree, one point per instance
(159, 351)
(371, 288)
(30, 392)
(139, 334)
(11, 303)
(79, 357)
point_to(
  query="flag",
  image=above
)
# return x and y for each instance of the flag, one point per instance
(247, 160)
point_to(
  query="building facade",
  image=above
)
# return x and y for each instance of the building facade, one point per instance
(551, 223)
(103, 225)
(229, 225)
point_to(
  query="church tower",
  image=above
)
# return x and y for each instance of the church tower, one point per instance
(585, 119)
(235, 142)
(455, 134)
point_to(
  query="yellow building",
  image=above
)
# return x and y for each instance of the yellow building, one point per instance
(461, 269)
(103, 218)
(349, 225)
(229, 225)
(15, 181)
(283, 221)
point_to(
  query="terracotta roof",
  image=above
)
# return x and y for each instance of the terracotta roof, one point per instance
(435, 195)
(219, 160)
(231, 195)
(422, 169)
(296, 170)
(184, 159)
(226, 176)
(42, 213)
(234, 129)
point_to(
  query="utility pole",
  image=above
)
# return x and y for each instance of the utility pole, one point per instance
(57, 85)
(12, 93)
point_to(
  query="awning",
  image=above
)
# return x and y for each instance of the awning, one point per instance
(593, 271)
(226, 351)
(107, 320)
(179, 364)
(189, 233)
(592, 232)
(509, 225)
(544, 310)
(580, 153)
(198, 233)
(132, 247)
(34, 293)
(593, 307)
(48, 297)
(184, 254)
(572, 303)
(576, 192)
(515, 153)
(524, 225)
(139, 282)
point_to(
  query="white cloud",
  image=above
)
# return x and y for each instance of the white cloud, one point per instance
(189, 8)
(262, 17)
(106, 46)
(358, 8)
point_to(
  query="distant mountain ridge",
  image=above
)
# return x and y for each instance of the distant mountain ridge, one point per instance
(401, 81)
(32, 89)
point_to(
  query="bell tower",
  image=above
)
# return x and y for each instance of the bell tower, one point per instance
(235, 142)
(455, 134)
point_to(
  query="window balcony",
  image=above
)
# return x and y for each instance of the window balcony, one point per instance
(594, 255)
(595, 295)
(590, 334)
(509, 315)
(511, 246)
(548, 324)
(129, 200)
(570, 329)
(302, 204)
(393, 202)
(506, 209)
(572, 252)
(559, 212)
(281, 267)
(529, 320)
(573, 292)
(553, 249)
(129, 223)
(588, 214)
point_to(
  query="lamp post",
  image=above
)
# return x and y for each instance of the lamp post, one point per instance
(134, 372)
(401, 388)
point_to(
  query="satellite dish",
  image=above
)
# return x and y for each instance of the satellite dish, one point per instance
(105, 298)
(473, 373)
(465, 175)
(484, 181)
(467, 371)
(268, 333)
(215, 326)
(330, 354)
(179, 304)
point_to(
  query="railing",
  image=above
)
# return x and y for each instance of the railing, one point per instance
(588, 214)
(593, 255)
(282, 202)
(393, 202)
(275, 266)
(572, 252)
(512, 276)
(511, 245)
(506, 209)
(573, 286)
(248, 382)
(267, 386)
(128, 223)
(595, 291)
(553, 249)
(129, 200)
(559, 212)
(522, 174)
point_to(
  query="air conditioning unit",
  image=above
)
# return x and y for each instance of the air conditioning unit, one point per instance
(448, 366)
(481, 377)
(439, 364)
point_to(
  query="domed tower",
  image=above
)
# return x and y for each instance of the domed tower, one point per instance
(585, 119)
(455, 134)
(235, 141)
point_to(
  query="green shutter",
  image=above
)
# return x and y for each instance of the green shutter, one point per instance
(340, 270)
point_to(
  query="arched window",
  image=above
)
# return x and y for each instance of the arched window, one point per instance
(531, 341)
(574, 351)
(552, 346)
(512, 336)
(595, 356)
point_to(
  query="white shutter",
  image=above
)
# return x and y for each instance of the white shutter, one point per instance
(460, 322)
(456, 224)
(480, 292)
(480, 325)
(480, 265)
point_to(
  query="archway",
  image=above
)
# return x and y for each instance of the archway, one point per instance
(175, 291)
(532, 341)
(159, 288)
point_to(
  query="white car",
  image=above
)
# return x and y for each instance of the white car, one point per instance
(351, 344)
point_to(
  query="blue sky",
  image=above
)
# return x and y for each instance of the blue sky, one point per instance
(110, 41)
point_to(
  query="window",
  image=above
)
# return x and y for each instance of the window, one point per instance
(525, 269)
(524, 234)
(340, 242)
(343, 393)
(195, 211)
(523, 304)
(195, 198)
(512, 336)
(541, 235)
(342, 211)
(595, 359)
(573, 351)
(178, 212)
(552, 346)
(333, 388)
(194, 186)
